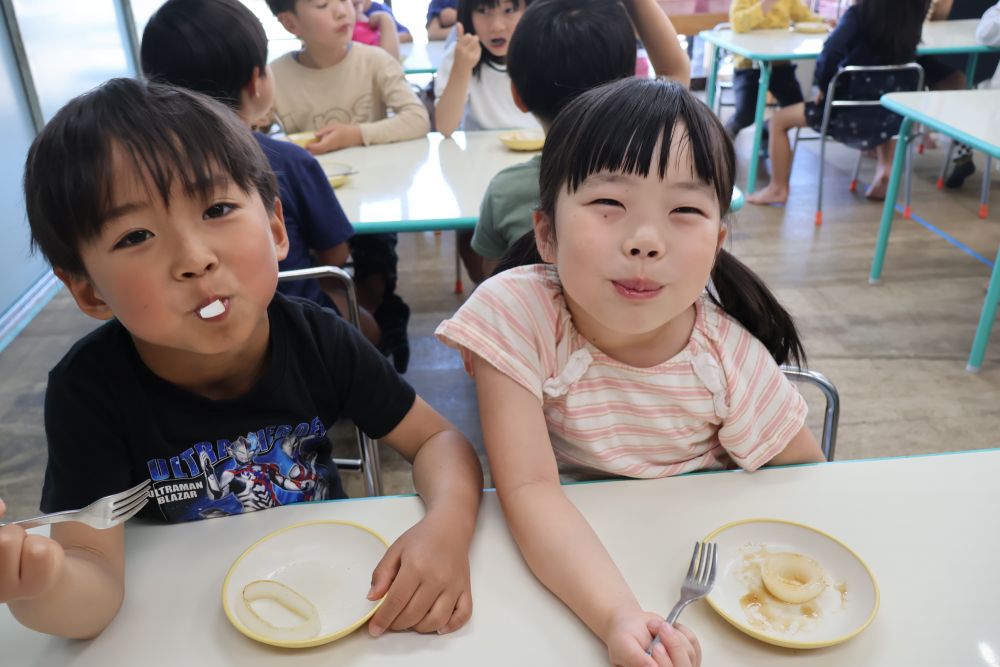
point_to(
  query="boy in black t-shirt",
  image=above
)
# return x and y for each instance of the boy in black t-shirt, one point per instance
(157, 209)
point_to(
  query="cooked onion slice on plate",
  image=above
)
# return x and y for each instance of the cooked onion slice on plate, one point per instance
(793, 577)
(268, 589)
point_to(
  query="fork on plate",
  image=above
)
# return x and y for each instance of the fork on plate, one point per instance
(697, 584)
(102, 513)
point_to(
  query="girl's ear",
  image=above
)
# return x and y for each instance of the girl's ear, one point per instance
(87, 298)
(278, 231)
(545, 238)
(723, 233)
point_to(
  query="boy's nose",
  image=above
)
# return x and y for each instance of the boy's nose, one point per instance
(193, 261)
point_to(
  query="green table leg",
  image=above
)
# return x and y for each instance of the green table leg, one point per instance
(970, 70)
(713, 75)
(985, 320)
(898, 161)
(758, 123)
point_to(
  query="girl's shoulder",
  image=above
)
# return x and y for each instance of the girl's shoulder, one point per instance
(535, 287)
(716, 331)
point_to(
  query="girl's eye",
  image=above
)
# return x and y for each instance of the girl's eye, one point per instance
(218, 210)
(608, 202)
(689, 210)
(134, 238)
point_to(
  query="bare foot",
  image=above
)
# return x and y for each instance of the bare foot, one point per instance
(876, 191)
(769, 195)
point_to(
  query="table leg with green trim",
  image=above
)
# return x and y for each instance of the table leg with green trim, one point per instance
(889, 208)
(758, 124)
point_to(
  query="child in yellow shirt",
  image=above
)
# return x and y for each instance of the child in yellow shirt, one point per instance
(747, 15)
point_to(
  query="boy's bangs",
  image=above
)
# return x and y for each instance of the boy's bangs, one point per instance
(631, 118)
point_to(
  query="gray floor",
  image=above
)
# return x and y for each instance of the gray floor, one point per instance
(897, 351)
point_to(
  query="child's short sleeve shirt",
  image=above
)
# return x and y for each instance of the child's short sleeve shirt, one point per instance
(722, 399)
(506, 209)
(111, 423)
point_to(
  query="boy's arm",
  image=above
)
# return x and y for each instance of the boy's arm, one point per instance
(746, 15)
(425, 574)
(801, 13)
(436, 31)
(388, 36)
(410, 120)
(71, 585)
(660, 39)
(556, 541)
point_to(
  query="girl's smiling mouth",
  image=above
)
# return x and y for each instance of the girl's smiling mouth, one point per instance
(637, 288)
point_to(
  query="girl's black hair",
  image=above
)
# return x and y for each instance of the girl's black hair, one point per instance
(466, 8)
(893, 27)
(164, 134)
(211, 46)
(617, 127)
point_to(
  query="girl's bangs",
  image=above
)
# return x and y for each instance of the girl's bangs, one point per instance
(618, 128)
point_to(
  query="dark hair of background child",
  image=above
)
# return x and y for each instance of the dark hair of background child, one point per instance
(466, 8)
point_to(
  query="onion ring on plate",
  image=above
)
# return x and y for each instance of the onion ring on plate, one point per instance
(269, 589)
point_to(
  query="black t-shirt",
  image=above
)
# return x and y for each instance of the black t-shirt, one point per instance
(111, 423)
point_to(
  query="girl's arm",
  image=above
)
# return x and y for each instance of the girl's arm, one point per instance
(802, 448)
(71, 585)
(388, 36)
(451, 105)
(660, 39)
(556, 541)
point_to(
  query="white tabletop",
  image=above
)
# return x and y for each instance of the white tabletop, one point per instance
(928, 528)
(938, 37)
(424, 58)
(971, 116)
(424, 184)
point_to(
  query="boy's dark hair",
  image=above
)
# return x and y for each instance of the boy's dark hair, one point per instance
(466, 8)
(893, 27)
(278, 6)
(563, 47)
(165, 134)
(211, 46)
(616, 128)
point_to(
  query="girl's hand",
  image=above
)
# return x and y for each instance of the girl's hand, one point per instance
(468, 49)
(630, 634)
(424, 577)
(334, 137)
(29, 564)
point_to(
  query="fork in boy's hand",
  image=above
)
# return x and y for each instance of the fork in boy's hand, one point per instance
(102, 513)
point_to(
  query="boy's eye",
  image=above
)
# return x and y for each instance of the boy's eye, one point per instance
(218, 210)
(134, 238)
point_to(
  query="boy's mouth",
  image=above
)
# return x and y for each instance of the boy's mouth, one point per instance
(213, 308)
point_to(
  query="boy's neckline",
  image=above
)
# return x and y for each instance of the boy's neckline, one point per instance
(306, 59)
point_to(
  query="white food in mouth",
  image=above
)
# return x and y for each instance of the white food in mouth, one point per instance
(213, 309)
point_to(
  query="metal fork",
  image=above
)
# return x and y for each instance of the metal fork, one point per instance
(697, 584)
(102, 513)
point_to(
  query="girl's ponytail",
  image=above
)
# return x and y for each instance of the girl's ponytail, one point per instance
(522, 252)
(745, 297)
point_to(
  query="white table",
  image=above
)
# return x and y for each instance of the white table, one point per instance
(928, 527)
(425, 184)
(767, 46)
(971, 117)
(424, 58)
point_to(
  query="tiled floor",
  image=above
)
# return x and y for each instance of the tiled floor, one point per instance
(896, 351)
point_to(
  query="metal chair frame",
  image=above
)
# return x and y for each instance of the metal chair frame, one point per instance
(984, 187)
(831, 417)
(368, 461)
(831, 103)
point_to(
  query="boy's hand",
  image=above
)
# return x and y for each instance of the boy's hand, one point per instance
(468, 50)
(447, 17)
(767, 5)
(334, 137)
(29, 564)
(381, 21)
(631, 632)
(426, 574)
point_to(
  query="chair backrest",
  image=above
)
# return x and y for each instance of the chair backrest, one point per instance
(828, 441)
(368, 459)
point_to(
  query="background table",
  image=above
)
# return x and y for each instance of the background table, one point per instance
(927, 527)
(424, 58)
(971, 117)
(767, 46)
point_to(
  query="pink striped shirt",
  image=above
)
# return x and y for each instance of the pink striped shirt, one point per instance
(721, 399)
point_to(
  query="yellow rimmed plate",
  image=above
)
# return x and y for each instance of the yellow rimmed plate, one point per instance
(844, 609)
(338, 172)
(329, 563)
(523, 140)
(812, 27)
(302, 138)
